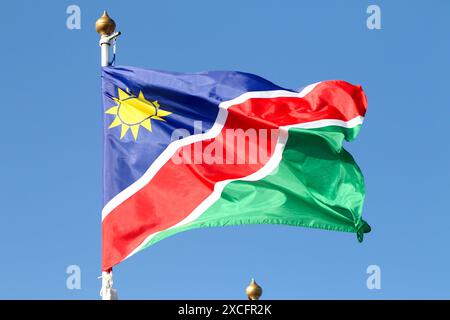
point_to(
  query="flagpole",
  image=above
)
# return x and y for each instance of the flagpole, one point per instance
(106, 26)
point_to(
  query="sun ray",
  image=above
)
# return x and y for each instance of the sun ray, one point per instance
(124, 130)
(122, 94)
(116, 122)
(158, 118)
(112, 110)
(135, 130)
(163, 113)
(147, 124)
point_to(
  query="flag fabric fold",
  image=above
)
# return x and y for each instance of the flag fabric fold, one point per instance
(185, 151)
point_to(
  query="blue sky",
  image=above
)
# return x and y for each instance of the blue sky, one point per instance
(50, 190)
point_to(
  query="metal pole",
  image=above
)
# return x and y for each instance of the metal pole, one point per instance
(106, 26)
(104, 45)
(108, 292)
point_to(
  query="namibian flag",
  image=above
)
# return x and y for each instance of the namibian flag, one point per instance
(184, 151)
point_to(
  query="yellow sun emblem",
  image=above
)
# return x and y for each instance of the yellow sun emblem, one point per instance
(134, 112)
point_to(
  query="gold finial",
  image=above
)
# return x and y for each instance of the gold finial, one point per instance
(105, 25)
(253, 291)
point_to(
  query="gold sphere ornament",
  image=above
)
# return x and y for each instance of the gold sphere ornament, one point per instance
(253, 291)
(105, 26)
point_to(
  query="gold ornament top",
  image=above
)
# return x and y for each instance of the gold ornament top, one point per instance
(253, 291)
(105, 26)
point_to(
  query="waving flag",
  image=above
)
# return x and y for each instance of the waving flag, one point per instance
(184, 151)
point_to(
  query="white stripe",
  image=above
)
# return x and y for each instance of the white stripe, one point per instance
(269, 167)
(328, 122)
(167, 154)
